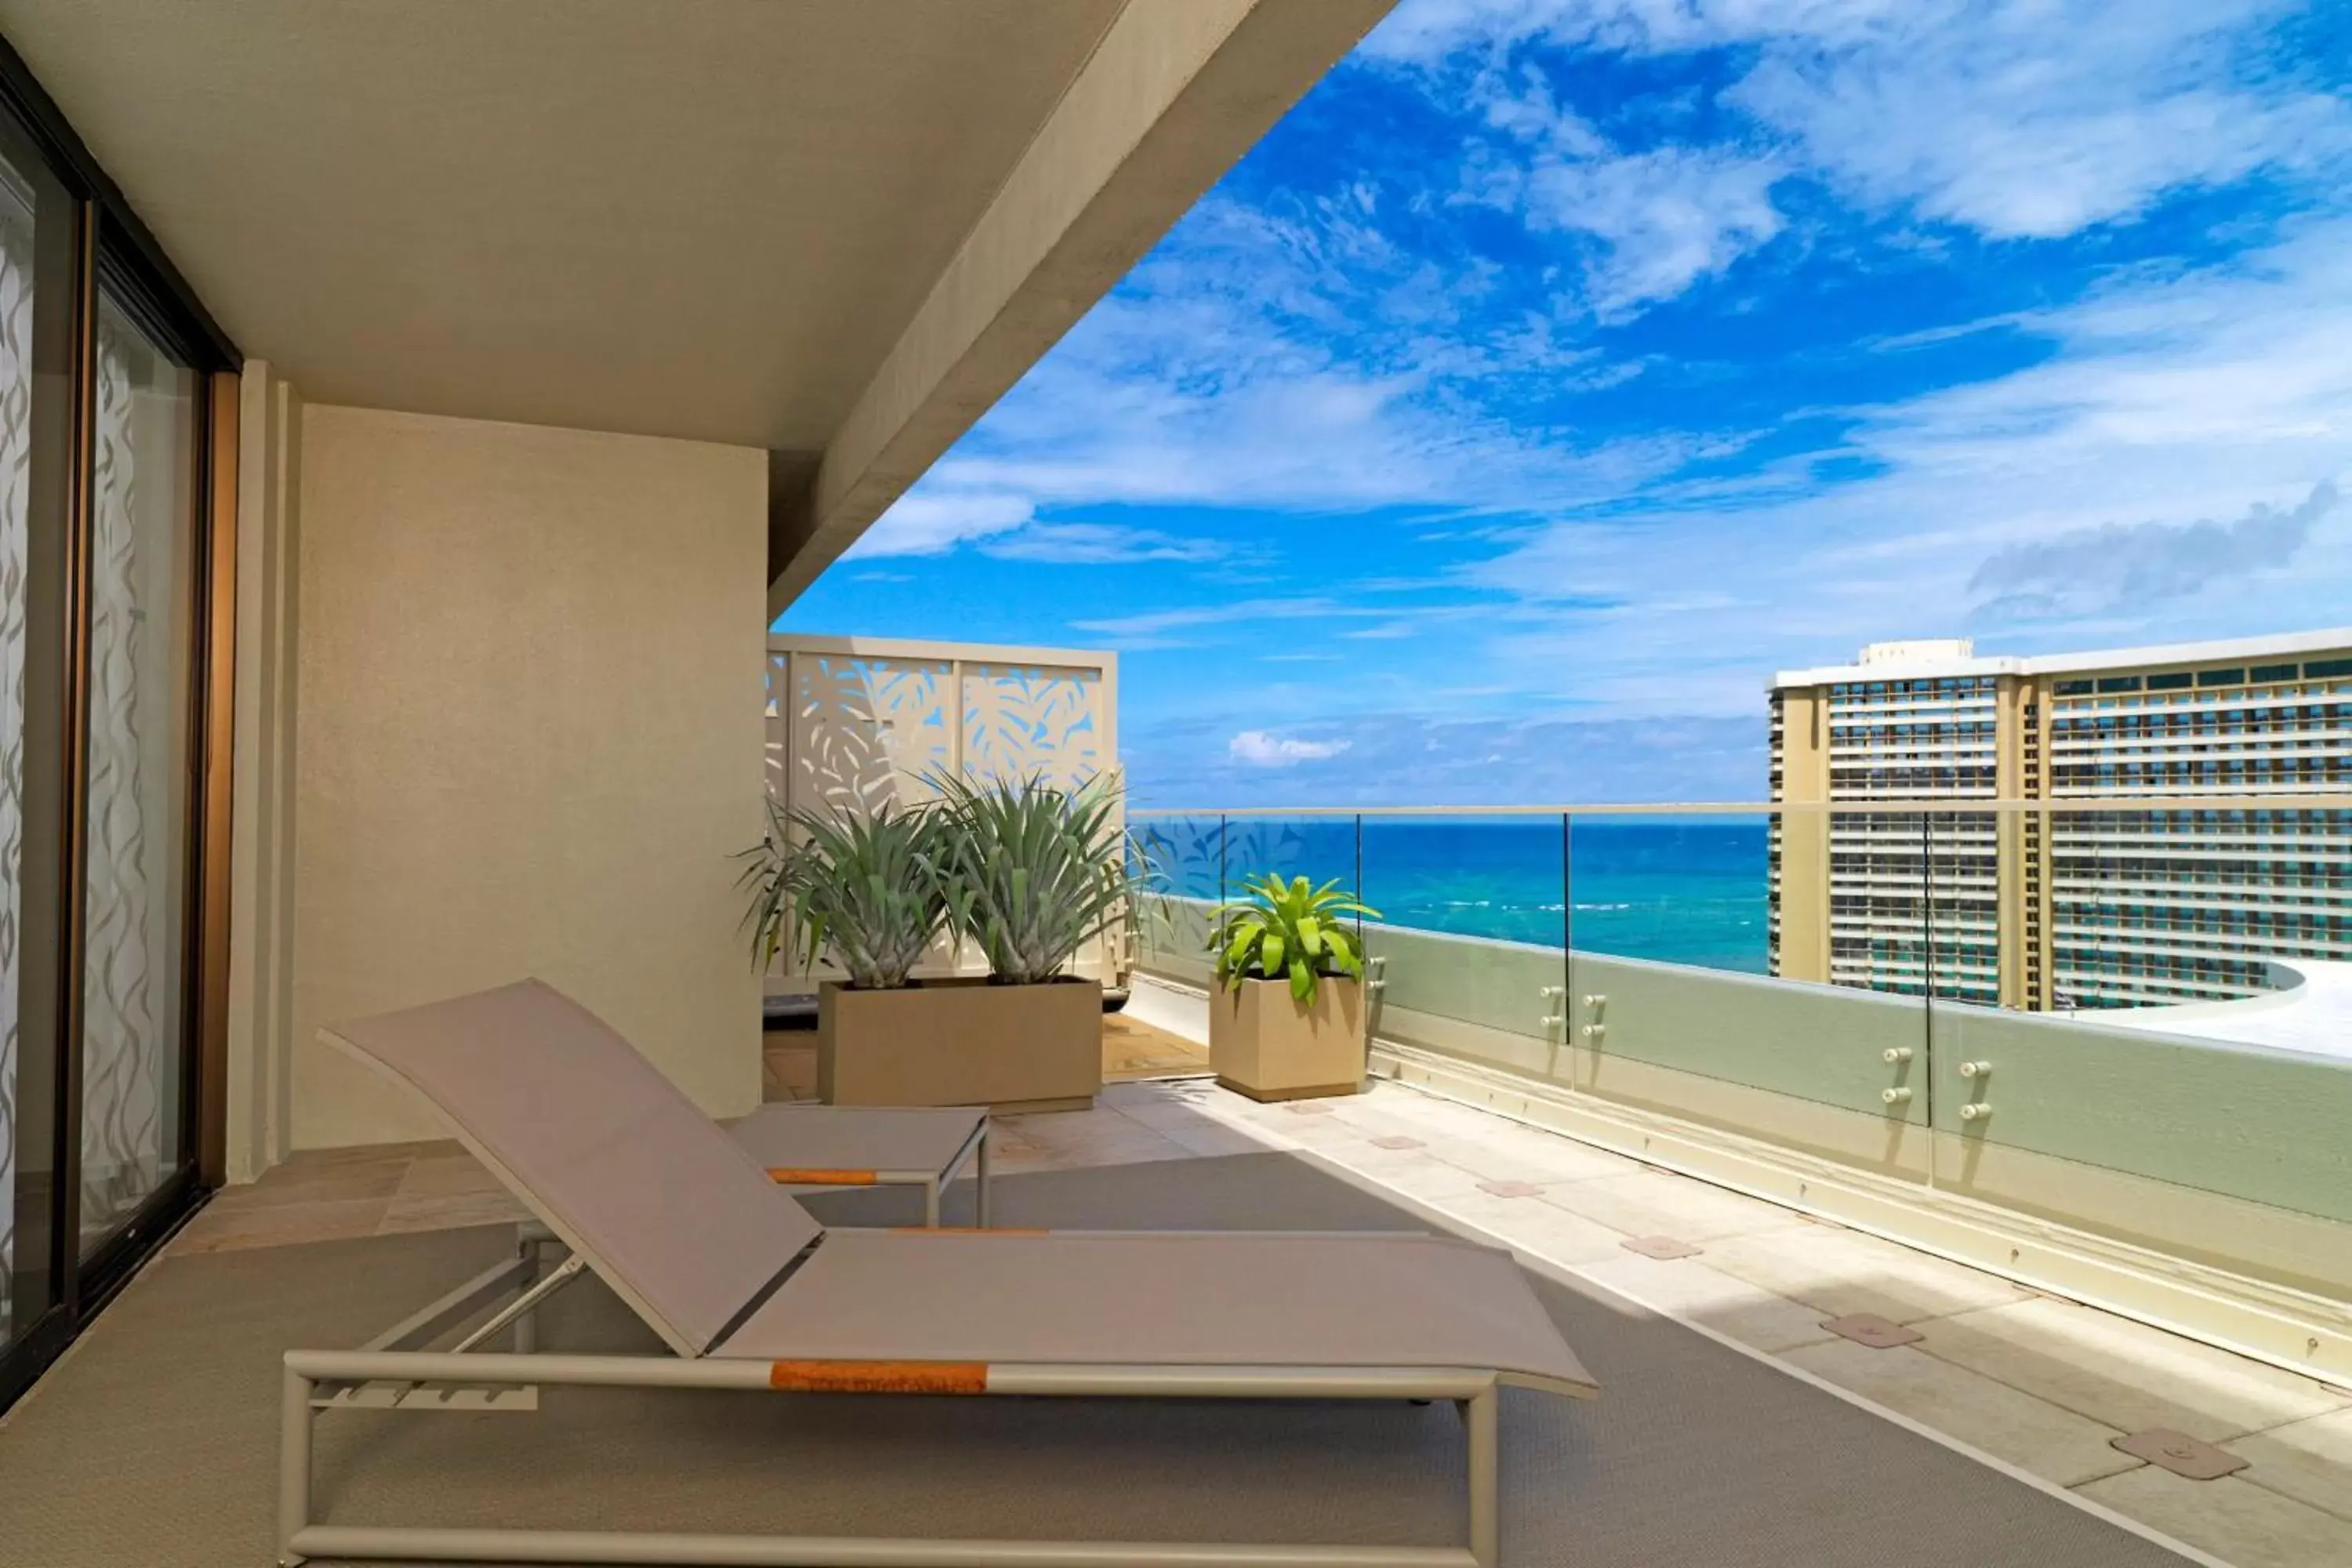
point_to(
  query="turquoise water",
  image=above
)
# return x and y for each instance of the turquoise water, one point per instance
(1681, 891)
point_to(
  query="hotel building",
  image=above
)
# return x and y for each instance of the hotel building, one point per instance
(2098, 905)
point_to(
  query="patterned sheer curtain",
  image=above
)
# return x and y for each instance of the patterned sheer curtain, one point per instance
(125, 1055)
(15, 463)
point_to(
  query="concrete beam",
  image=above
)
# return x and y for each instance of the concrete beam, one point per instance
(1177, 91)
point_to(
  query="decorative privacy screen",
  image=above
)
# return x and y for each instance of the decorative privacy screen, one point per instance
(856, 724)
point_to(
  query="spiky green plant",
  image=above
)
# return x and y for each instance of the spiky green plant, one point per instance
(868, 893)
(1034, 872)
(1288, 929)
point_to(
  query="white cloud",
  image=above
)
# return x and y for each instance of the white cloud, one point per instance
(2037, 121)
(1262, 750)
(2014, 118)
(1664, 218)
(1428, 34)
(1123, 412)
(1326, 354)
(926, 521)
(1522, 105)
(1100, 543)
(1151, 623)
(2164, 400)
(1668, 217)
(1352, 610)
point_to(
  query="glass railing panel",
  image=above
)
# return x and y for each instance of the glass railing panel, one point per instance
(2168, 1052)
(1319, 848)
(1673, 889)
(1730, 950)
(1189, 866)
(1468, 946)
(2137, 1021)
(1178, 863)
(1493, 876)
(1181, 855)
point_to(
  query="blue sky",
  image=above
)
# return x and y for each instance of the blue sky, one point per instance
(1558, 369)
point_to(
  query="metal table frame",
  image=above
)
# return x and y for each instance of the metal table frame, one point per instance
(933, 1183)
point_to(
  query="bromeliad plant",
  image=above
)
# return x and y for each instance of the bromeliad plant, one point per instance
(1033, 872)
(1288, 930)
(871, 893)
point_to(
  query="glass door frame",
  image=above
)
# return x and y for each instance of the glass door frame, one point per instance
(110, 248)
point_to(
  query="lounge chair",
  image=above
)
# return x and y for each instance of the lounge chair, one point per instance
(751, 1293)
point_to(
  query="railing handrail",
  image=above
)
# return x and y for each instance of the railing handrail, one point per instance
(2105, 805)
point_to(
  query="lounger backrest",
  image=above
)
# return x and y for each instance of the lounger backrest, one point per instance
(601, 1146)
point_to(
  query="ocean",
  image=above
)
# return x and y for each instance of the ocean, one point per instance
(1681, 891)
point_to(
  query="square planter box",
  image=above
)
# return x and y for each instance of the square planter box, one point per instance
(961, 1042)
(1264, 1045)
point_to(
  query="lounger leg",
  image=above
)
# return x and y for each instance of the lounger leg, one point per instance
(526, 1328)
(293, 1463)
(985, 1132)
(931, 1204)
(1480, 1417)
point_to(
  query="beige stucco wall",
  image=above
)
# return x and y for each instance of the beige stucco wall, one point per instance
(531, 737)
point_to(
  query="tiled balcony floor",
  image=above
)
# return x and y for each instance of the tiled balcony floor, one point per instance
(2041, 1385)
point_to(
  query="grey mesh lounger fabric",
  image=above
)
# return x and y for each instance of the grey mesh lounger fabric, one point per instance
(683, 1224)
(751, 1292)
(1171, 1298)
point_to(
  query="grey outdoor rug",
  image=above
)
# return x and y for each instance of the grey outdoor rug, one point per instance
(154, 1443)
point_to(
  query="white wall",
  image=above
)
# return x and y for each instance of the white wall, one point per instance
(258, 1102)
(530, 740)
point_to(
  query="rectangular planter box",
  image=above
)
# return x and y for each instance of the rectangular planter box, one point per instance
(1264, 1045)
(961, 1042)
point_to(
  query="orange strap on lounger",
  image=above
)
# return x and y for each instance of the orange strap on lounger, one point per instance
(880, 1376)
(815, 1176)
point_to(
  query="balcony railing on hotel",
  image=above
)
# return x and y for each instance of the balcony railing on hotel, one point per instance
(2135, 1021)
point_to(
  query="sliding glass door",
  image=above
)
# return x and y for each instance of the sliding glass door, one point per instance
(39, 228)
(26, 1170)
(137, 778)
(114, 569)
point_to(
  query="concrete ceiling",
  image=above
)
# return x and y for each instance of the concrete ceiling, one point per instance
(837, 229)
(706, 218)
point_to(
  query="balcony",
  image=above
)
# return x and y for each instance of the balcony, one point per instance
(498, 376)
(2039, 1384)
(1701, 1163)
(1600, 974)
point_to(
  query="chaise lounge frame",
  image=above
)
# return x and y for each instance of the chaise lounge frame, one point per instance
(391, 1373)
(432, 1375)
